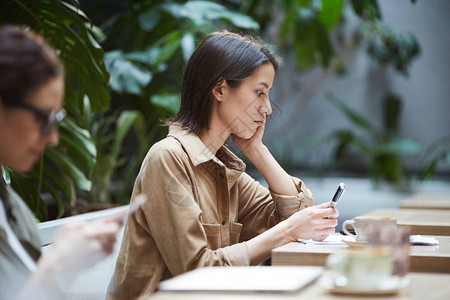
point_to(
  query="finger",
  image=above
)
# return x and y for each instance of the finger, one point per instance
(324, 205)
(260, 132)
(103, 228)
(326, 212)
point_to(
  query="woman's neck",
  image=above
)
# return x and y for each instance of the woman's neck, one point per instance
(214, 138)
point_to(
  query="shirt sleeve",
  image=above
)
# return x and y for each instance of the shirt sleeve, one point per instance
(260, 208)
(173, 218)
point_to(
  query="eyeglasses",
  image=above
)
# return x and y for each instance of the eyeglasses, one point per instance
(49, 119)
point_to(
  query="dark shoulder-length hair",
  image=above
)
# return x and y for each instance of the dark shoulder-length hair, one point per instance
(27, 62)
(222, 55)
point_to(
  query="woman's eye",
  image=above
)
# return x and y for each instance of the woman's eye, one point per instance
(260, 93)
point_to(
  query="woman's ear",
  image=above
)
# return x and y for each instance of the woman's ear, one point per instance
(218, 90)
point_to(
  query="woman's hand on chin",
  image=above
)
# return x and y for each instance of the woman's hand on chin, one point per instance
(252, 144)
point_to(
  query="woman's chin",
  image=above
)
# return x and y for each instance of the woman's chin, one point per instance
(245, 135)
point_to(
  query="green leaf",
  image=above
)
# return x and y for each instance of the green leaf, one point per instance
(78, 149)
(238, 19)
(187, 45)
(352, 115)
(325, 50)
(171, 102)
(69, 168)
(124, 123)
(148, 19)
(331, 13)
(358, 6)
(172, 43)
(201, 12)
(392, 106)
(59, 181)
(404, 146)
(304, 44)
(287, 25)
(80, 135)
(5, 175)
(126, 77)
(345, 139)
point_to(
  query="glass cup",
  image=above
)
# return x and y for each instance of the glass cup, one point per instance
(398, 240)
(365, 269)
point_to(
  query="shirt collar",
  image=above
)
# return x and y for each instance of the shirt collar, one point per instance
(198, 153)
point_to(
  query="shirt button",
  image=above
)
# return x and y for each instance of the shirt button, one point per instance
(230, 178)
(223, 222)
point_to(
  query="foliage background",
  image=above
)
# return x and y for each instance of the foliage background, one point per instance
(124, 61)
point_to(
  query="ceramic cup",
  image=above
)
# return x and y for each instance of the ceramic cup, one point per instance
(364, 270)
(364, 225)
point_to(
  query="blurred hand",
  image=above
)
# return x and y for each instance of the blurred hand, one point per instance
(84, 244)
(77, 246)
(315, 222)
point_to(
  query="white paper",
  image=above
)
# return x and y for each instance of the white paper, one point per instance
(423, 240)
(330, 240)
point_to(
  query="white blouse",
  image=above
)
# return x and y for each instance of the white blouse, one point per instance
(14, 242)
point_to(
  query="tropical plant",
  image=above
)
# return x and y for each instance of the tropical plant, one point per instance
(383, 148)
(68, 166)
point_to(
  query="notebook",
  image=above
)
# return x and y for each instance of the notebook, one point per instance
(243, 279)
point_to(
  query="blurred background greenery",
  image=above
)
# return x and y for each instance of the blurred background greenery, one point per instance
(124, 61)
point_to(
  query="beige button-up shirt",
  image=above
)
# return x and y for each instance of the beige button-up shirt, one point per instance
(200, 211)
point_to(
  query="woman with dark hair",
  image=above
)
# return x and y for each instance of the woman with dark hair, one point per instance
(203, 209)
(31, 97)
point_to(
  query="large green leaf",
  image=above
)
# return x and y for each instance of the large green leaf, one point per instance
(148, 19)
(126, 77)
(187, 45)
(330, 13)
(171, 44)
(124, 123)
(200, 12)
(171, 102)
(352, 115)
(68, 167)
(80, 147)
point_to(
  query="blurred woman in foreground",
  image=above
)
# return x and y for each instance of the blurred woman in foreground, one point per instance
(31, 99)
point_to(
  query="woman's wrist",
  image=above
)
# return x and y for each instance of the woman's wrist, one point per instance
(287, 229)
(256, 154)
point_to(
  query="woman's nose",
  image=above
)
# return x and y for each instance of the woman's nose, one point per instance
(52, 138)
(265, 109)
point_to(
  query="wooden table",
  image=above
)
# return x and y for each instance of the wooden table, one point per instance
(422, 258)
(421, 221)
(422, 286)
(426, 201)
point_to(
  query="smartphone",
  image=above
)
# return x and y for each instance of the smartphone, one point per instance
(137, 202)
(340, 190)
